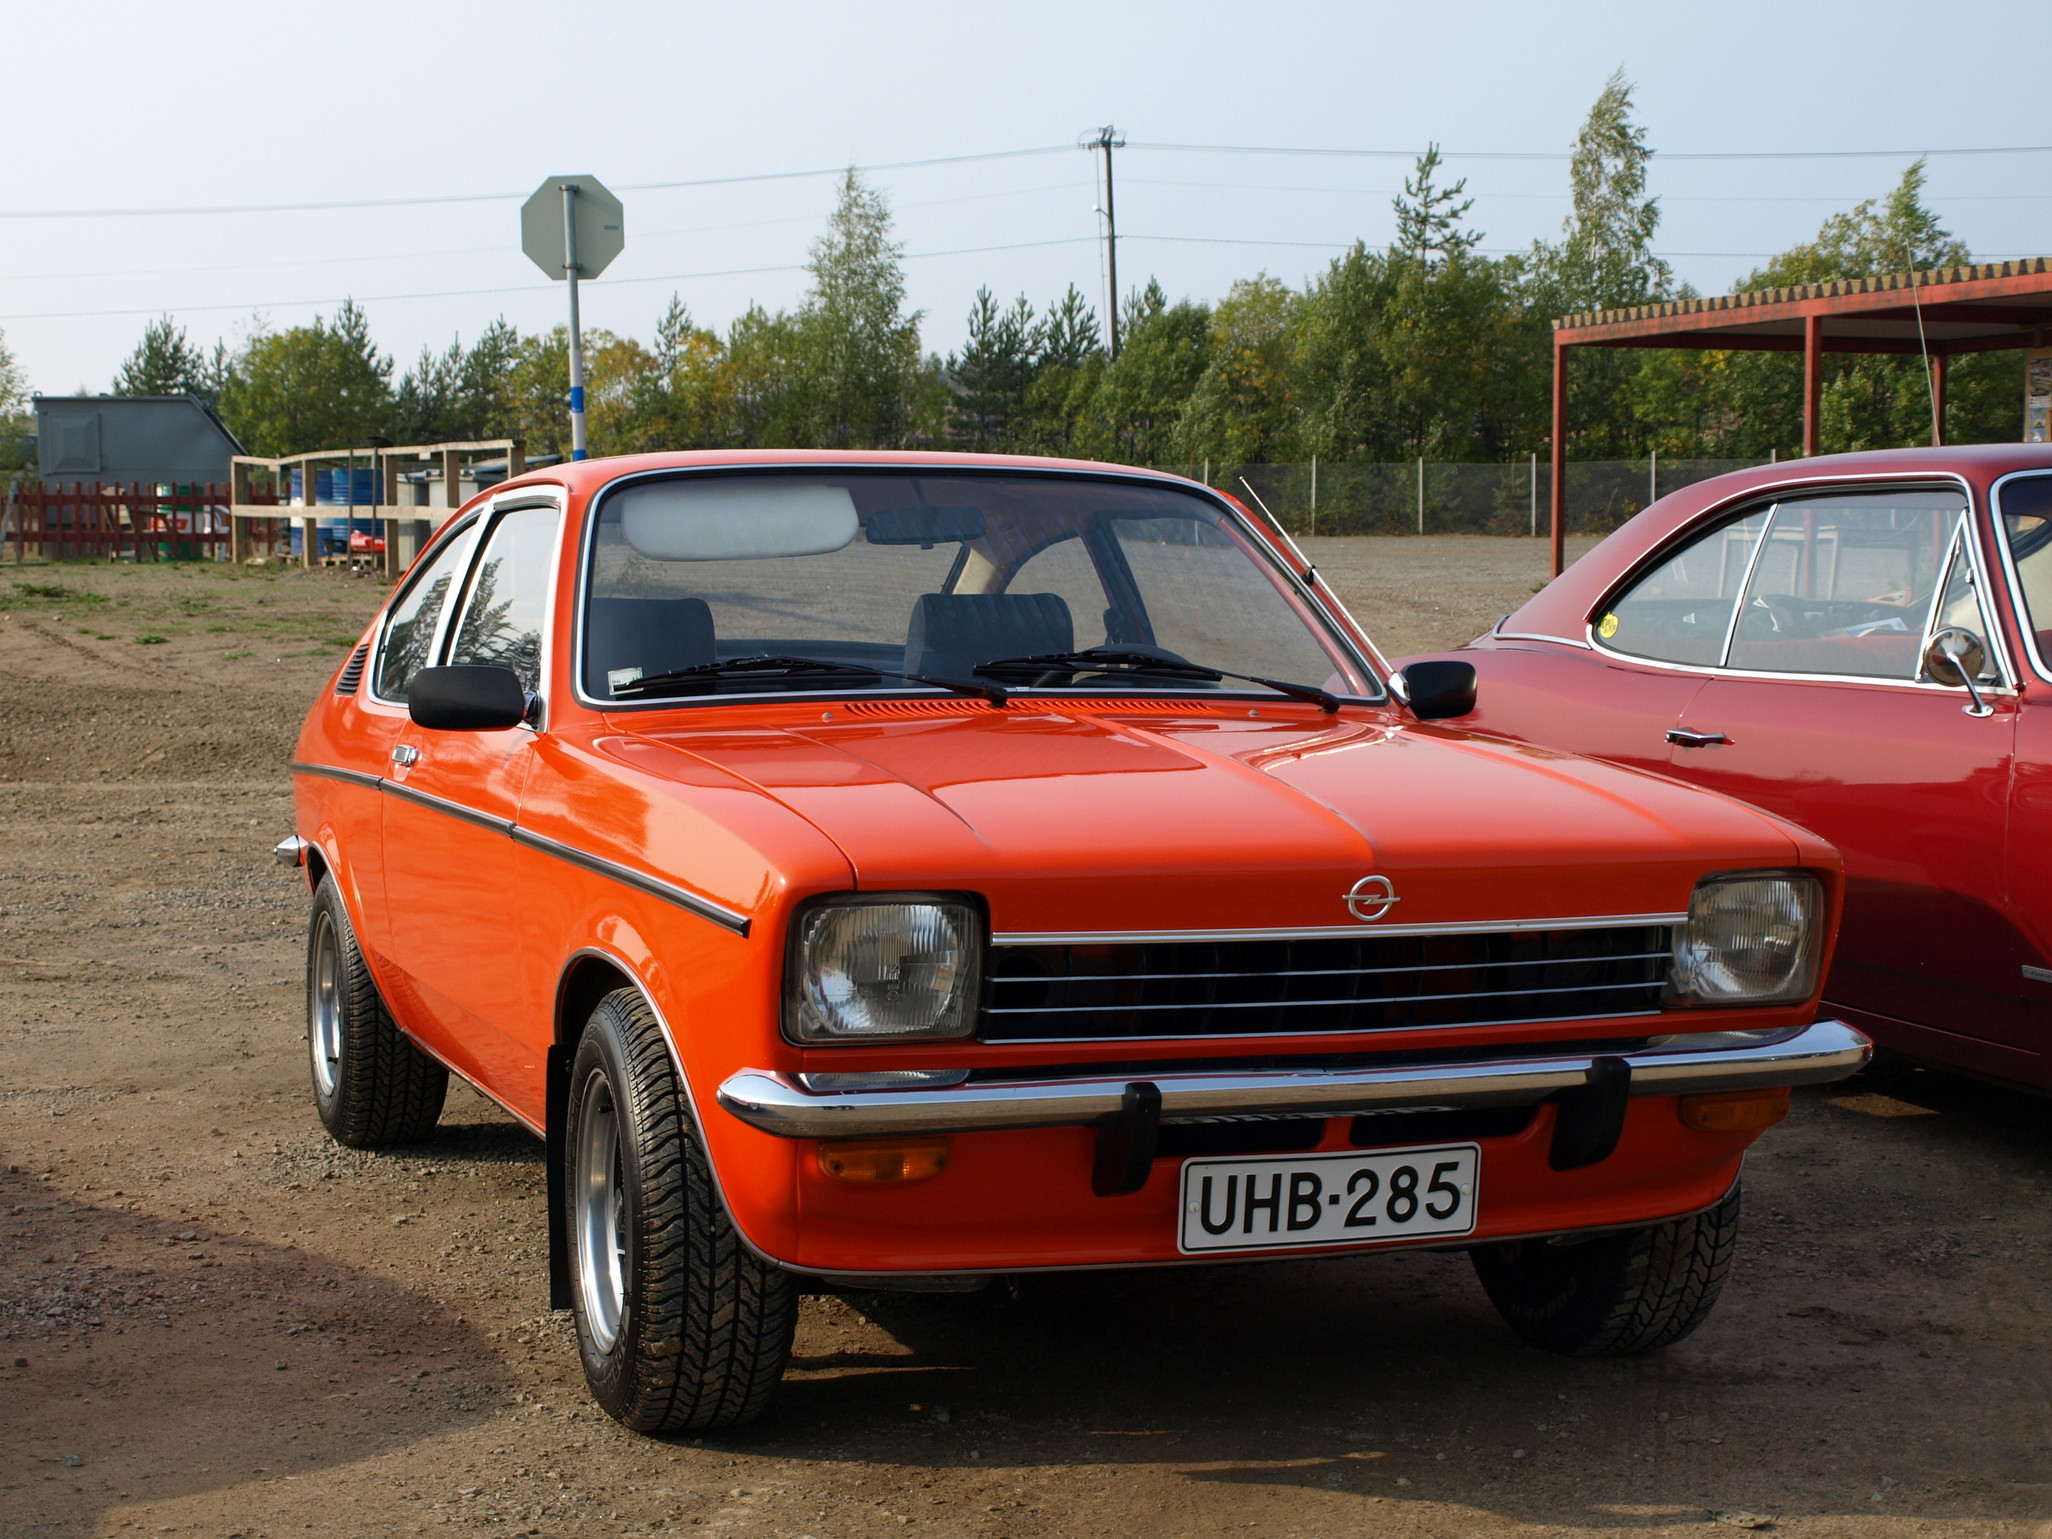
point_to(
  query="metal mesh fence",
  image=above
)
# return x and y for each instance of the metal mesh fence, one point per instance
(1424, 497)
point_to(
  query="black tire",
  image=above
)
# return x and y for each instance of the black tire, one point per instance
(1633, 1291)
(680, 1326)
(372, 1087)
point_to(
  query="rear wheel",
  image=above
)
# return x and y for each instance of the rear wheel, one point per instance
(679, 1324)
(1614, 1294)
(371, 1085)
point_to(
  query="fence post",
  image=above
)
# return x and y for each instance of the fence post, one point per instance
(1314, 494)
(1535, 494)
(1652, 477)
(1421, 494)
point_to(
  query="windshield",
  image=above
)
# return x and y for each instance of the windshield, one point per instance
(888, 577)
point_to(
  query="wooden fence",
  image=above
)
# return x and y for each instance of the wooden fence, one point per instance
(95, 520)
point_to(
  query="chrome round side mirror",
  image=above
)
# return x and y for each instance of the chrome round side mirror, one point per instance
(1955, 657)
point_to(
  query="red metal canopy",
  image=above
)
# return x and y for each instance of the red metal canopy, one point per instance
(1984, 308)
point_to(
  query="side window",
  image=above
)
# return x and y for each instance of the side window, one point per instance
(410, 631)
(1680, 612)
(506, 606)
(2027, 526)
(1065, 568)
(1845, 584)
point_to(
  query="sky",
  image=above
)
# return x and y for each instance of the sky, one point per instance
(450, 114)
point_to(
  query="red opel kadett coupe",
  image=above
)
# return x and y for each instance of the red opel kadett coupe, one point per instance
(1858, 643)
(888, 870)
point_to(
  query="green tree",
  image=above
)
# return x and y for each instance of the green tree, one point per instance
(1243, 408)
(324, 386)
(996, 368)
(862, 378)
(460, 394)
(1139, 400)
(1429, 228)
(15, 422)
(165, 362)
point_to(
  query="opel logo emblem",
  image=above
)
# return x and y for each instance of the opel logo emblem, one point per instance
(1371, 897)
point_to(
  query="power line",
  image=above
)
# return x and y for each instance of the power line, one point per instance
(1558, 155)
(329, 205)
(518, 288)
(508, 197)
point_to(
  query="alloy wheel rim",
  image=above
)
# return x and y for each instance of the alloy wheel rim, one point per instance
(600, 1218)
(324, 1011)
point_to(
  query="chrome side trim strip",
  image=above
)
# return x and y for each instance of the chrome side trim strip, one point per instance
(447, 808)
(774, 1103)
(705, 908)
(627, 876)
(1323, 932)
(331, 772)
(1565, 641)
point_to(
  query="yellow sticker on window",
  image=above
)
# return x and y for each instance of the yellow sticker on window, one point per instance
(1607, 628)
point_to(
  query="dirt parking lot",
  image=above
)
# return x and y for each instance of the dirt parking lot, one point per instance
(215, 1321)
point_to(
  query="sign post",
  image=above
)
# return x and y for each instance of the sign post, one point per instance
(572, 228)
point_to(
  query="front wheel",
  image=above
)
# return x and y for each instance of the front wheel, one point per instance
(1615, 1294)
(372, 1087)
(680, 1326)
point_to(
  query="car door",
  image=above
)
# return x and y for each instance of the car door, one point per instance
(1620, 694)
(2022, 521)
(451, 798)
(1821, 711)
(409, 638)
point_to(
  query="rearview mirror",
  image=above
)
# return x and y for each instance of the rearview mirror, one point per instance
(467, 697)
(1437, 688)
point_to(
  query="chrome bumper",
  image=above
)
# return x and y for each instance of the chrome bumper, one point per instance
(1808, 1055)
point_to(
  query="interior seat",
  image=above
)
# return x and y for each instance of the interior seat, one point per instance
(652, 635)
(952, 632)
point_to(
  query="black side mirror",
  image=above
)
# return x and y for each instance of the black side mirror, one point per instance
(1436, 689)
(469, 697)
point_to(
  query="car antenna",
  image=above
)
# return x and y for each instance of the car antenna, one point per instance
(1310, 571)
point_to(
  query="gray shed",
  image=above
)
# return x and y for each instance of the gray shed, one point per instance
(124, 438)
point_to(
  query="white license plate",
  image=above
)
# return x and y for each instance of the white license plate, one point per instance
(1357, 1198)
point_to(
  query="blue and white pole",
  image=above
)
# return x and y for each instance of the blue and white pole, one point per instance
(570, 271)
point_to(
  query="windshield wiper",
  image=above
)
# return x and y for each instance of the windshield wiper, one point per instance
(794, 668)
(1114, 663)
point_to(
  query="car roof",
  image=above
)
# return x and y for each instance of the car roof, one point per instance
(583, 477)
(1564, 606)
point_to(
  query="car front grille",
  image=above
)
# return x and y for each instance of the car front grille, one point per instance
(1072, 992)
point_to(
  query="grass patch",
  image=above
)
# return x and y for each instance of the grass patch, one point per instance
(150, 639)
(57, 590)
(231, 656)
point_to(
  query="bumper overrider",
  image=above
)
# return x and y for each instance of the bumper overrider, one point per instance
(1689, 1064)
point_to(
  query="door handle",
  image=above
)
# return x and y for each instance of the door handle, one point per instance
(405, 754)
(1682, 737)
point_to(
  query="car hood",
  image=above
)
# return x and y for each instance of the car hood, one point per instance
(1090, 821)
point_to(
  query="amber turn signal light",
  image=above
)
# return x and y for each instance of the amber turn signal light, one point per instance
(883, 1159)
(1734, 1111)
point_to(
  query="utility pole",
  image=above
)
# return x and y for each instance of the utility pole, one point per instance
(1107, 139)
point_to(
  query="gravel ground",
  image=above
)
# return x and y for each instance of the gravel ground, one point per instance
(214, 1320)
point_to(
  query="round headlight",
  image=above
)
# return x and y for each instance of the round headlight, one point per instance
(1752, 938)
(884, 968)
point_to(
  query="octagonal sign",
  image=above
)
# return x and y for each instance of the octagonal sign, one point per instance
(600, 227)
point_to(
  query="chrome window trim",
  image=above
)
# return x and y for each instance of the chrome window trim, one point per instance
(1850, 483)
(1326, 932)
(494, 512)
(1565, 641)
(641, 881)
(1977, 579)
(2013, 579)
(465, 529)
(594, 508)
